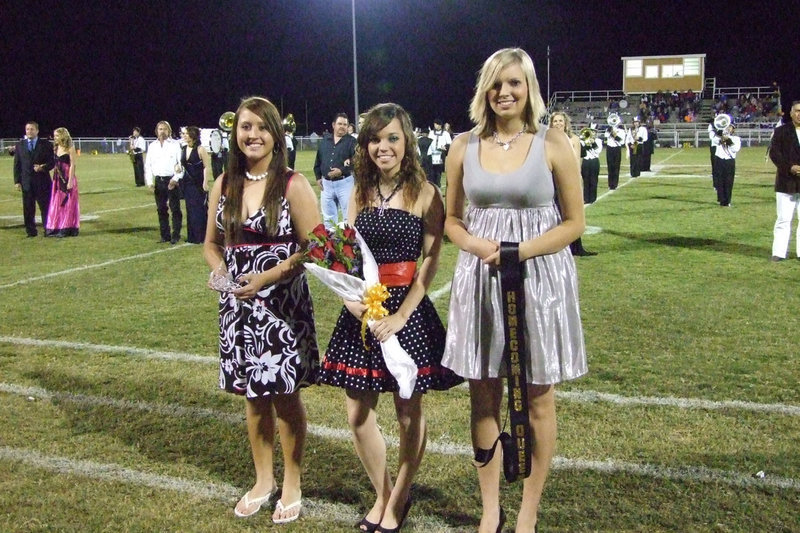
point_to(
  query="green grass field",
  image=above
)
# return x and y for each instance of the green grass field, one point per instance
(688, 421)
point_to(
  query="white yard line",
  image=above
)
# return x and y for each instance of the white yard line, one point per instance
(117, 473)
(89, 267)
(151, 204)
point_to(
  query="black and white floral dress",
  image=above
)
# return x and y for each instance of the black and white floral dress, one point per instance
(268, 344)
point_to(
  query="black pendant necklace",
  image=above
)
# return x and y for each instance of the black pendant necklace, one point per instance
(385, 201)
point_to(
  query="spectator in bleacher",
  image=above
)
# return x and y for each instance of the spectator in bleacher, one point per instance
(634, 139)
(726, 146)
(785, 153)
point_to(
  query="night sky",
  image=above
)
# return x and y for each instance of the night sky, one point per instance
(99, 68)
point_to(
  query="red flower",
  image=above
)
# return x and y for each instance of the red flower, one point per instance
(316, 253)
(320, 232)
(329, 246)
(338, 267)
(349, 233)
(348, 252)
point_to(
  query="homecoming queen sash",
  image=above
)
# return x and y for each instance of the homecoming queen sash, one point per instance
(518, 444)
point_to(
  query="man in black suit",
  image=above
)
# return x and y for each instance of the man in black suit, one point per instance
(33, 161)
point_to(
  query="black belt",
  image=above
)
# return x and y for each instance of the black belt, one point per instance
(163, 177)
(336, 179)
(518, 444)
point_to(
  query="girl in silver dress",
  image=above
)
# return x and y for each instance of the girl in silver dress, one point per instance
(508, 168)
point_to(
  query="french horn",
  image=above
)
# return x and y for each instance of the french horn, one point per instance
(226, 121)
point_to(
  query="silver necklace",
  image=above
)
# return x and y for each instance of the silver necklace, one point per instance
(385, 201)
(256, 177)
(506, 145)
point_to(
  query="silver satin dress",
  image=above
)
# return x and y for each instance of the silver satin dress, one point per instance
(514, 207)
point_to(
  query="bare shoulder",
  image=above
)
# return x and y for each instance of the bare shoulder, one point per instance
(298, 187)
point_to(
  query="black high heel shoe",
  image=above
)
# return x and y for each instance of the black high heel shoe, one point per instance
(407, 506)
(502, 521)
(366, 525)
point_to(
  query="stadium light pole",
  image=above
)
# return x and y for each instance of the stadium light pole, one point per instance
(355, 64)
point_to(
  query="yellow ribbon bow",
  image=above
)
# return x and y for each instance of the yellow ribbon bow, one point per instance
(373, 299)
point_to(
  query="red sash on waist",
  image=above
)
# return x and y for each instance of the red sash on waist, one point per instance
(397, 274)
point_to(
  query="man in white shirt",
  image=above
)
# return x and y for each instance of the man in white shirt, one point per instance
(636, 136)
(591, 146)
(137, 147)
(162, 172)
(437, 151)
(726, 146)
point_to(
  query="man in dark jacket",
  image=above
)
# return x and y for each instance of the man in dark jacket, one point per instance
(785, 153)
(33, 161)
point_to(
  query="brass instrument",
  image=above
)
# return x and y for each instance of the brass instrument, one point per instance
(613, 120)
(226, 120)
(587, 136)
(722, 121)
(290, 124)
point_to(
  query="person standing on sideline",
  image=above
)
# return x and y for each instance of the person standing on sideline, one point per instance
(137, 149)
(785, 153)
(195, 183)
(437, 151)
(333, 170)
(162, 170)
(591, 147)
(64, 214)
(260, 213)
(502, 179)
(561, 121)
(636, 136)
(726, 146)
(615, 140)
(33, 161)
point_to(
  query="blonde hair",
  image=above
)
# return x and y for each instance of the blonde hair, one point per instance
(567, 122)
(66, 138)
(481, 113)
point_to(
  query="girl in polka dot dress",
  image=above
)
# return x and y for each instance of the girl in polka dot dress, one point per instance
(401, 217)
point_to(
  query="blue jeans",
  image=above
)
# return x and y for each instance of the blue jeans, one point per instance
(334, 197)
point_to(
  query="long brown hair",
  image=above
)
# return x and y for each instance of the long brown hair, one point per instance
(365, 170)
(278, 177)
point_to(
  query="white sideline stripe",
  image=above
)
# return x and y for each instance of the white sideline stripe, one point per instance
(126, 350)
(114, 472)
(681, 403)
(90, 469)
(89, 267)
(575, 396)
(123, 208)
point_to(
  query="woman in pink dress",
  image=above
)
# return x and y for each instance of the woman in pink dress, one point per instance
(63, 216)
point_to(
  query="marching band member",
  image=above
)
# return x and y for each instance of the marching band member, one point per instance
(591, 147)
(615, 140)
(634, 139)
(712, 132)
(136, 148)
(726, 145)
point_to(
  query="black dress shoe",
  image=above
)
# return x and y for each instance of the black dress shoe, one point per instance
(381, 529)
(32, 235)
(584, 253)
(164, 240)
(366, 525)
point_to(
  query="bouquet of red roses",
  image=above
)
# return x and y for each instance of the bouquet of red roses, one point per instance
(336, 250)
(343, 262)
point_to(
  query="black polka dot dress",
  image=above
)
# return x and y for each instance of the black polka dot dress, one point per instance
(394, 236)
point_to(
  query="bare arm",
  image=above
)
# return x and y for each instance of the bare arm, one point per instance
(567, 177)
(214, 243)
(206, 159)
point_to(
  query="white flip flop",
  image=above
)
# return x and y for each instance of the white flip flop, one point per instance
(248, 502)
(280, 508)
